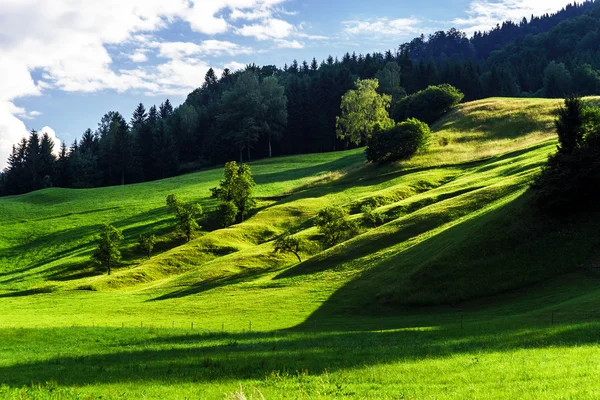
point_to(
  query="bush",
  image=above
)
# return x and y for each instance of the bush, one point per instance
(398, 143)
(228, 212)
(334, 224)
(428, 105)
(371, 217)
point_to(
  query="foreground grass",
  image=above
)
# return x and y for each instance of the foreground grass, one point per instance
(378, 316)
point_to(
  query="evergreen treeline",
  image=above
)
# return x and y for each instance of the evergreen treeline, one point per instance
(292, 110)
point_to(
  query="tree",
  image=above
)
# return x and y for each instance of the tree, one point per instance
(334, 224)
(557, 80)
(107, 253)
(362, 109)
(274, 109)
(389, 81)
(237, 188)
(289, 244)
(570, 181)
(187, 216)
(569, 125)
(399, 142)
(239, 112)
(47, 161)
(146, 244)
(33, 162)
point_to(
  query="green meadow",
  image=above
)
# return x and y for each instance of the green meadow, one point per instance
(466, 291)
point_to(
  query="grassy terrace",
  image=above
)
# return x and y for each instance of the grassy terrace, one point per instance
(453, 298)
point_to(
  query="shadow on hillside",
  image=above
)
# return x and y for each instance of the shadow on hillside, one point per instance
(373, 174)
(502, 250)
(299, 173)
(50, 248)
(216, 282)
(256, 356)
(378, 241)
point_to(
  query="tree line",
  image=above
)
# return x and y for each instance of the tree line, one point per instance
(265, 111)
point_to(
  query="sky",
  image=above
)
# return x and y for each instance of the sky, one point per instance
(64, 63)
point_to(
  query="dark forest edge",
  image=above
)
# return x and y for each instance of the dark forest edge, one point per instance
(267, 110)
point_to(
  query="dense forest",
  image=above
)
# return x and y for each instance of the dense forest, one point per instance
(264, 111)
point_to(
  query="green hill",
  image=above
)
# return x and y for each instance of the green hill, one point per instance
(461, 244)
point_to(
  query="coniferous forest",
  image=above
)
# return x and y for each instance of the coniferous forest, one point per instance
(266, 111)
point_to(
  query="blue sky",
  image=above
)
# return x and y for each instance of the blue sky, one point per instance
(65, 63)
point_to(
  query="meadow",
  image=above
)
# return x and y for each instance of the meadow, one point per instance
(466, 292)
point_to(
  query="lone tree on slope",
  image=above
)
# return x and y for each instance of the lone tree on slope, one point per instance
(107, 251)
(187, 216)
(146, 244)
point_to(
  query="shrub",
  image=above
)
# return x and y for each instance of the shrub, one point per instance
(398, 143)
(228, 212)
(371, 217)
(335, 226)
(428, 105)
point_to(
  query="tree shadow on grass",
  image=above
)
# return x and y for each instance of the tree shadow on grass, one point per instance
(206, 358)
(216, 282)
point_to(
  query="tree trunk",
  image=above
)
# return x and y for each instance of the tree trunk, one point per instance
(123, 178)
(248, 148)
(108, 265)
(299, 259)
(270, 150)
(241, 154)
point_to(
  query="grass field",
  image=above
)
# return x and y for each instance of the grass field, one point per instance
(465, 293)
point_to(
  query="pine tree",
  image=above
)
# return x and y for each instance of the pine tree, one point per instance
(33, 162)
(47, 161)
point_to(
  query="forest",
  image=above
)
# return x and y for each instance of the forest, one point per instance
(264, 111)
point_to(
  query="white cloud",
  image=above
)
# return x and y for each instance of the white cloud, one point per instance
(52, 136)
(235, 66)
(382, 26)
(11, 131)
(271, 28)
(177, 50)
(139, 56)
(289, 44)
(482, 15)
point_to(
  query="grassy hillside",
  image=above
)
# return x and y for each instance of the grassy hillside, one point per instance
(461, 244)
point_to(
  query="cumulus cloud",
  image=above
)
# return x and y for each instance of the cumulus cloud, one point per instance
(177, 50)
(68, 43)
(382, 26)
(485, 14)
(139, 56)
(289, 44)
(235, 66)
(271, 28)
(12, 130)
(52, 135)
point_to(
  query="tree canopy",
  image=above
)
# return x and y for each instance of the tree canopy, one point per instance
(361, 110)
(107, 253)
